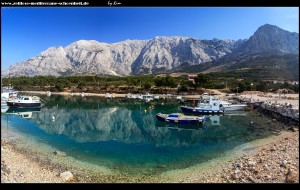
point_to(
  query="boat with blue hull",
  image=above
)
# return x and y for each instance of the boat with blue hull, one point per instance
(213, 107)
(179, 118)
(25, 102)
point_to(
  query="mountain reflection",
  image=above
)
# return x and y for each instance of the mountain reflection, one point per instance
(133, 123)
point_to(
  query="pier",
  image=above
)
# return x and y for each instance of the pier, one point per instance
(282, 108)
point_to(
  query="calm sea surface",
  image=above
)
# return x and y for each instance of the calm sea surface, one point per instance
(123, 134)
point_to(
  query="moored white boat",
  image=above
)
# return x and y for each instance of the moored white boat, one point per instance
(48, 93)
(4, 107)
(108, 95)
(178, 97)
(148, 97)
(7, 93)
(228, 106)
(25, 102)
(213, 107)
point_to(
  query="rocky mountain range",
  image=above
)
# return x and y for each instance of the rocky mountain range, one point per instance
(158, 55)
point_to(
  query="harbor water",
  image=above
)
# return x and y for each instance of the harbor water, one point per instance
(124, 135)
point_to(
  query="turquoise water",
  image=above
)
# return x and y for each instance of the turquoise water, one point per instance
(124, 134)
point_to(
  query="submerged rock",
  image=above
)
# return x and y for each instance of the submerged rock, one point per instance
(59, 153)
(67, 176)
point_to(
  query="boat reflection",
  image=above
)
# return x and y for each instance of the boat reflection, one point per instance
(211, 120)
(183, 127)
(26, 113)
(214, 119)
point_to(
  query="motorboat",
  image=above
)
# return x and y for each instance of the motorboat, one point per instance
(108, 95)
(179, 118)
(48, 93)
(4, 107)
(25, 102)
(156, 97)
(148, 97)
(230, 106)
(178, 97)
(212, 107)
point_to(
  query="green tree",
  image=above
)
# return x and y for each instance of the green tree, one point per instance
(170, 81)
(262, 86)
(202, 80)
(147, 85)
(59, 87)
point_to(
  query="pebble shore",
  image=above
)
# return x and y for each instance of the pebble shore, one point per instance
(18, 168)
(275, 160)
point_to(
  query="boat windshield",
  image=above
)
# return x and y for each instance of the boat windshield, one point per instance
(174, 115)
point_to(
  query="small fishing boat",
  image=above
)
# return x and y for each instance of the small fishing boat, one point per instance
(178, 97)
(179, 118)
(25, 102)
(4, 107)
(213, 107)
(108, 95)
(147, 97)
(230, 106)
(48, 93)
(8, 93)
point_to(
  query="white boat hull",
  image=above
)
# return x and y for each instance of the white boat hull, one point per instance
(235, 107)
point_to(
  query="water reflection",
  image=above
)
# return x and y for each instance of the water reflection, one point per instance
(87, 119)
(125, 134)
(26, 113)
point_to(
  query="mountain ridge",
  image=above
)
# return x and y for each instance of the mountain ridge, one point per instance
(157, 55)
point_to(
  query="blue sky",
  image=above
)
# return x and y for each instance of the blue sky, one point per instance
(26, 31)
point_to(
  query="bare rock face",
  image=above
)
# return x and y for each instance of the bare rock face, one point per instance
(272, 38)
(122, 58)
(53, 62)
(160, 54)
(166, 53)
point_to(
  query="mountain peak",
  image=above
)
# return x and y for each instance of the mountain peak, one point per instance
(268, 38)
(269, 28)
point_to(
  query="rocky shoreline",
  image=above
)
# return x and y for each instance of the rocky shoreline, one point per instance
(276, 162)
(17, 167)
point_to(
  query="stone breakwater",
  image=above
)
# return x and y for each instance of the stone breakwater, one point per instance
(283, 109)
